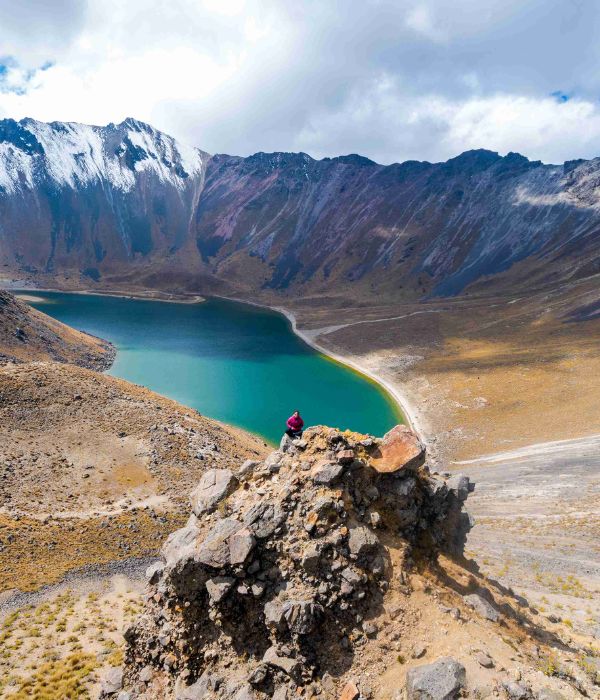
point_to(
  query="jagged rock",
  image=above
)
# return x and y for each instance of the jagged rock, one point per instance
(245, 693)
(281, 693)
(345, 456)
(273, 461)
(154, 572)
(362, 541)
(259, 675)
(352, 576)
(289, 666)
(482, 607)
(441, 680)
(264, 518)
(146, 674)
(213, 487)
(311, 556)
(215, 550)
(241, 543)
(327, 472)
(370, 629)
(286, 444)
(206, 685)
(218, 587)
(274, 617)
(459, 484)
(349, 692)
(296, 571)
(112, 681)
(399, 449)
(418, 651)
(247, 468)
(516, 691)
(180, 545)
(301, 615)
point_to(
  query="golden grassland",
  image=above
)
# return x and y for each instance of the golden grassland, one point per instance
(59, 648)
(35, 554)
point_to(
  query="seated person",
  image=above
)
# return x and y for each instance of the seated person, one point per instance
(294, 425)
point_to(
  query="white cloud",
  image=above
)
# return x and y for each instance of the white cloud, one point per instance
(433, 127)
(420, 19)
(392, 79)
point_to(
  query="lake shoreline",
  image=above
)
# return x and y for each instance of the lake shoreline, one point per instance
(400, 401)
(117, 294)
(402, 405)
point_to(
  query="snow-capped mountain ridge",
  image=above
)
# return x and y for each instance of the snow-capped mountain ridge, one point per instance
(71, 154)
(125, 201)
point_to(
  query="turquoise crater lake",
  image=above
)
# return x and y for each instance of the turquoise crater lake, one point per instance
(234, 362)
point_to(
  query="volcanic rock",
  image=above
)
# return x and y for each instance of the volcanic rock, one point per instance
(441, 680)
(277, 583)
(215, 485)
(482, 607)
(399, 449)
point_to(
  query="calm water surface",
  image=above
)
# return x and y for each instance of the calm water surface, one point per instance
(230, 361)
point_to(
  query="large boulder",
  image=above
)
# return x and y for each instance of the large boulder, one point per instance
(399, 449)
(112, 682)
(214, 486)
(441, 680)
(215, 550)
(482, 607)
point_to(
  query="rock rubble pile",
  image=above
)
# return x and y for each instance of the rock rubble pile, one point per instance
(272, 586)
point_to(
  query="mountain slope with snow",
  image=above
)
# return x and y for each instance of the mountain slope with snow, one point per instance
(78, 197)
(126, 204)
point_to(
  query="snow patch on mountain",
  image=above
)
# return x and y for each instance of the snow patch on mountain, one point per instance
(74, 155)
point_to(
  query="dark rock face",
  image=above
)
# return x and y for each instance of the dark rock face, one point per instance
(127, 201)
(276, 586)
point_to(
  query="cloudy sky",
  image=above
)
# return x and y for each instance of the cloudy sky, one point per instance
(392, 80)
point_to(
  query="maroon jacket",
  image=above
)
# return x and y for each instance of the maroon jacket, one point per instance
(295, 423)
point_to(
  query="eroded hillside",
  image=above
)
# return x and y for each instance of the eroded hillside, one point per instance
(27, 334)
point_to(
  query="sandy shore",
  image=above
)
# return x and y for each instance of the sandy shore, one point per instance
(22, 293)
(310, 338)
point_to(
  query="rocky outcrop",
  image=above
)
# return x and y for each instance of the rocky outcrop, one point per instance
(274, 582)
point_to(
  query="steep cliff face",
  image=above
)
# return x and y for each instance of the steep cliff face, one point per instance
(126, 202)
(419, 227)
